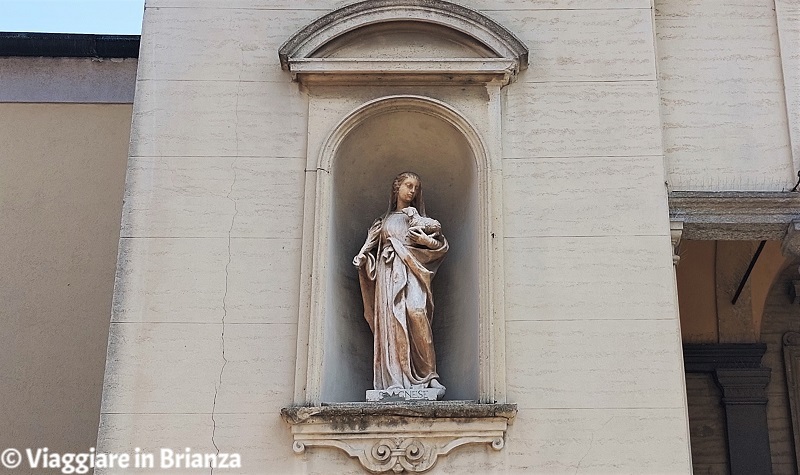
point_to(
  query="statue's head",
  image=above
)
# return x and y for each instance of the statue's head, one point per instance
(417, 202)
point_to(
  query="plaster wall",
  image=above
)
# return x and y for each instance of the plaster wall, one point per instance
(62, 169)
(67, 80)
(724, 105)
(202, 346)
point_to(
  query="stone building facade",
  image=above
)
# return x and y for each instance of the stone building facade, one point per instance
(575, 152)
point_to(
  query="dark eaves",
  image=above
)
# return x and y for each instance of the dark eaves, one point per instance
(68, 45)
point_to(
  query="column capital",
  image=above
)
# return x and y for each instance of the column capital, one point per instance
(743, 385)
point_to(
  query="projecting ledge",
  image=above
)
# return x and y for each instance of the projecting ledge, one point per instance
(357, 71)
(732, 215)
(399, 436)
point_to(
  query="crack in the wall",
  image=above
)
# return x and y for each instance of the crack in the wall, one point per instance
(591, 444)
(224, 310)
(227, 266)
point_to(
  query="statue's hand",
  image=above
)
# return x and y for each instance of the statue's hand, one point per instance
(418, 236)
(359, 260)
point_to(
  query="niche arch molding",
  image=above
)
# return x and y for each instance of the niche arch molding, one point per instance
(316, 301)
(304, 53)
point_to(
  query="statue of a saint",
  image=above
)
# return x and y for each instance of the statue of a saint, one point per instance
(399, 259)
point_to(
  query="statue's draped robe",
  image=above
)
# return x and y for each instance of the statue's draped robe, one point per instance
(398, 303)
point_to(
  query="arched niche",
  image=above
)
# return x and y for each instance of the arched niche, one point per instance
(406, 136)
(401, 49)
(418, 86)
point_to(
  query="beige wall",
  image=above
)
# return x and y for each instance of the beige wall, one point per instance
(721, 81)
(62, 171)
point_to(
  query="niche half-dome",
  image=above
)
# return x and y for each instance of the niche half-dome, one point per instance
(404, 41)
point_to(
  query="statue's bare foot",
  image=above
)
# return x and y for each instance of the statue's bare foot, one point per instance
(436, 384)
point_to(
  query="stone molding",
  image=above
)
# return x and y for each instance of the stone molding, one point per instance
(333, 71)
(296, 54)
(746, 216)
(675, 234)
(699, 358)
(398, 437)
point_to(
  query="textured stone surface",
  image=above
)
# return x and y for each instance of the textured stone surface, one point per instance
(419, 409)
(249, 54)
(202, 197)
(595, 441)
(580, 127)
(582, 120)
(597, 371)
(722, 96)
(584, 196)
(584, 45)
(416, 434)
(218, 119)
(788, 13)
(726, 216)
(588, 278)
(146, 375)
(199, 280)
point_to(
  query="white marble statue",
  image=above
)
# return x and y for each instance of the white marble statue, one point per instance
(403, 250)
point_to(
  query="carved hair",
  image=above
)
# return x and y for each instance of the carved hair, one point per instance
(417, 202)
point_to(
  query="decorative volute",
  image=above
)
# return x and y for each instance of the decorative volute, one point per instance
(404, 42)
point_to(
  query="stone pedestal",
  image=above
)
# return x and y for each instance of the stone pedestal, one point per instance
(399, 437)
(402, 395)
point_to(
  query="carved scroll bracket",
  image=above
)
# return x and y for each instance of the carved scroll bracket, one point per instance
(398, 437)
(675, 234)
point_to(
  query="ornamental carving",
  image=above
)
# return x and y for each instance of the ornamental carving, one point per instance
(398, 437)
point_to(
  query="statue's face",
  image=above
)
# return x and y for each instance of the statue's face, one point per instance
(408, 190)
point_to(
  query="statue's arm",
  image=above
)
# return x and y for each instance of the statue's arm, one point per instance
(370, 244)
(419, 237)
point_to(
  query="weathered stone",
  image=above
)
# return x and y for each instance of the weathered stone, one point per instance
(399, 437)
(396, 395)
